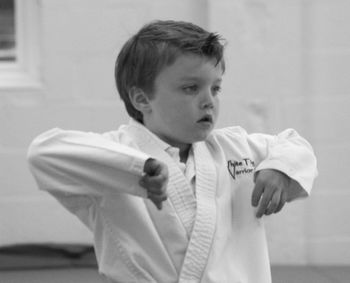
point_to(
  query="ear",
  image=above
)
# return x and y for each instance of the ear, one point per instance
(139, 99)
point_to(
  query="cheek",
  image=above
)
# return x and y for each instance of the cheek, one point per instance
(180, 108)
(172, 114)
(177, 115)
(216, 106)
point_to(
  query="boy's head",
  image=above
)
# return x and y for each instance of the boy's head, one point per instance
(158, 45)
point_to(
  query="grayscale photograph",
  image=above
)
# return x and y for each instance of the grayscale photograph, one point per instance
(174, 141)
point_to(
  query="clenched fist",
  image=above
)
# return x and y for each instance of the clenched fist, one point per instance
(155, 181)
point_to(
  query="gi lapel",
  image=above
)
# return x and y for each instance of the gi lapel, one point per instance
(204, 227)
(179, 190)
(174, 222)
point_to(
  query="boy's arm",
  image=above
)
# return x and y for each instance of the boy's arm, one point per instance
(287, 152)
(74, 162)
(272, 190)
(286, 170)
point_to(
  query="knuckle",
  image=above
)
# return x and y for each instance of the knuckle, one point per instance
(279, 209)
(163, 190)
(163, 179)
(273, 206)
(273, 185)
(155, 184)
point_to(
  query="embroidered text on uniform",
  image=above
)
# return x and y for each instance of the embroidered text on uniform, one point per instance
(236, 168)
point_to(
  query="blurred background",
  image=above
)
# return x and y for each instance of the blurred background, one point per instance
(287, 66)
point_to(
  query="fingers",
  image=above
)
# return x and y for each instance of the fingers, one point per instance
(156, 189)
(155, 181)
(154, 167)
(270, 192)
(274, 203)
(155, 184)
(257, 193)
(270, 200)
(157, 199)
(283, 201)
(264, 202)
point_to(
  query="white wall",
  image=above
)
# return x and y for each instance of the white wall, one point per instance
(287, 66)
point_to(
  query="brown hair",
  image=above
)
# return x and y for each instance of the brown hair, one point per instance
(155, 46)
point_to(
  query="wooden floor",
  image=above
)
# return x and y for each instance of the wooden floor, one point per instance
(75, 275)
(311, 274)
(280, 274)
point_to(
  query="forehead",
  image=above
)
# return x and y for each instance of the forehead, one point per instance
(192, 66)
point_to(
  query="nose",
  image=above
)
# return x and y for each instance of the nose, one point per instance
(207, 105)
(207, 101)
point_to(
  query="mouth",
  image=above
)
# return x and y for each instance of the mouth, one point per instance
(206, 119)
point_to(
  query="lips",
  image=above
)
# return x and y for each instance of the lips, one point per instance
(206, 119)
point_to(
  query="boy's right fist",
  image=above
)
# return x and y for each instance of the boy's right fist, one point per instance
(155, 181)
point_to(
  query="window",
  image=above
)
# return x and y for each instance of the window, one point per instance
(19, 44)
(7, 30)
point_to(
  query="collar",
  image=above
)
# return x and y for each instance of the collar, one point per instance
(149, 136)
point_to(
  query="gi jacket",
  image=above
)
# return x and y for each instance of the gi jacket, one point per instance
(209, 234)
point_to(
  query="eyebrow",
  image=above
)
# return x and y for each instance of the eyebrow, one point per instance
(195, 78)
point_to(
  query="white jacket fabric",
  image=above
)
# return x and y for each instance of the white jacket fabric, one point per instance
(207, 235)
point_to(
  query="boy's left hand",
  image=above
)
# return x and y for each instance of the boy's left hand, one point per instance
(270, 191)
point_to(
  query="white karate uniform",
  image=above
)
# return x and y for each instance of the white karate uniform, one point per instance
(207, 230)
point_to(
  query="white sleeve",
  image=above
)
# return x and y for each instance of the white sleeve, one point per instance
(72, 162)
(289, 153)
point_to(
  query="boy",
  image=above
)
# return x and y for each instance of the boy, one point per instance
(210, 188)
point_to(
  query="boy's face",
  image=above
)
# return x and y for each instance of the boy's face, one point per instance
(185, 104)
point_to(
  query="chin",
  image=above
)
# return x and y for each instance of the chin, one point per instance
(202, 137)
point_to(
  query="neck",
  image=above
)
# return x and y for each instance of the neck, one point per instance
(183, 147)
(184, 151)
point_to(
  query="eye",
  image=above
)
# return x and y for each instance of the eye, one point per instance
(216, 90)
(190, 89)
